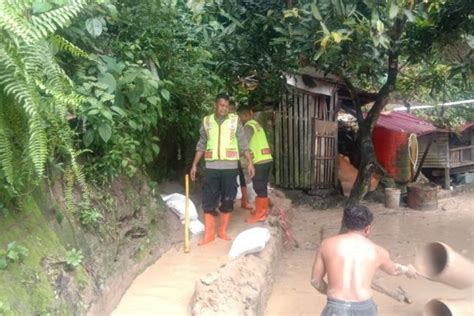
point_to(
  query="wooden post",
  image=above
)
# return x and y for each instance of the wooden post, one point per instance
(186, 216)
(291, 161)
(446, 178)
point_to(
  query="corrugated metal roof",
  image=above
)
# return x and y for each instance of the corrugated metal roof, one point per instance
(467, 125)
(404, 122)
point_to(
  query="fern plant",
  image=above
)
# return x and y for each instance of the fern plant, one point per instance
(36, 94)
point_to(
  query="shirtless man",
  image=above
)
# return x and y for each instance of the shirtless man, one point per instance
(350, 261)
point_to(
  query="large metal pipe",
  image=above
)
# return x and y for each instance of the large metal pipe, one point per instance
(444, 307)
(439, 262)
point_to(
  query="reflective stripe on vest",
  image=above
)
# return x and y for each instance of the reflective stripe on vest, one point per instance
(221, 139)
(258, 144)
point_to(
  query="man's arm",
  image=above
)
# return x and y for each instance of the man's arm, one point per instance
(244, 147)
(392, 268)
(200, 148)
(319, 270)
(250, 166)
(197, 158)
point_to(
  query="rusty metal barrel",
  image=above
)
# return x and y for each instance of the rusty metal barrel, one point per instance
(438, 262)
(445, 307)
(422, 197)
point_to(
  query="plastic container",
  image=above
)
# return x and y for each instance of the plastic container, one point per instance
(392, 197)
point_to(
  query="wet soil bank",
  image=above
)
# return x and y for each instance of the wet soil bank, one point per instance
(400, 230)
(134, 230)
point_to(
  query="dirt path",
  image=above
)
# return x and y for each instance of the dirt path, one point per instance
(400, 231)
(167, 286)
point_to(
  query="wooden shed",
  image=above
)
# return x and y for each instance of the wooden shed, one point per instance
(451, 152)
(391, 142)
(305, 134)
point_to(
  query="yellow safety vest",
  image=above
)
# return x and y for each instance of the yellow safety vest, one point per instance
(258, 144)
(221, 139)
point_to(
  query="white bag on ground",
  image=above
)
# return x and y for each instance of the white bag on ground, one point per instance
(252, 240)
(250, 191)
(177, 203)
(195, 226)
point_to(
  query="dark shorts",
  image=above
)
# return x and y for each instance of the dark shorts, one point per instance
(219, 186)
(347, 308)
(242, 182)
(260, 180)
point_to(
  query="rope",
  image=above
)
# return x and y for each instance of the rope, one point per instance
(413, 149)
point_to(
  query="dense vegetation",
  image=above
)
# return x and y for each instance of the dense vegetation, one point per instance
(91, 90)
(98, 89)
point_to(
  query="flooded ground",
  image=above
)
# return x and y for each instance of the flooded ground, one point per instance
(401, 232)
(166, 287)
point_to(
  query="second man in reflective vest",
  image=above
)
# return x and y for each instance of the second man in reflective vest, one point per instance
(263, 161)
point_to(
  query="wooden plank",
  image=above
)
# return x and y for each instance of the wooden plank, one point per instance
(306, 135)
(300, 140)
(311, 148)
(336, 141)
(277, 149)
(296, 140)
(315, 160)
(325, 133)
(284, 151)
(291, 159)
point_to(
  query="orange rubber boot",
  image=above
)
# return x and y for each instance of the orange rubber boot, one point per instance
(245, 199)
(209, 232)
(261, 211)
(222, 230)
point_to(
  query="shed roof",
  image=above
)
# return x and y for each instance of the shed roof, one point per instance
(467, 125)
(405, 122)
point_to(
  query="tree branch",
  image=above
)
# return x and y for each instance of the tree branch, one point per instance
(389, 86)
(355, 99)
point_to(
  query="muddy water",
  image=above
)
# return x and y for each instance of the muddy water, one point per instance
(399, 231)
(167, 286)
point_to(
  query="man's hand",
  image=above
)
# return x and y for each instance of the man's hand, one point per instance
(197, 157)
(193, 173)
(408, 270)
(411, 272)
(251, 170)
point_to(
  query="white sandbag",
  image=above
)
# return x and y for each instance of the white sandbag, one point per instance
(196, 227)
(177, 203)
(239, 192)
(250, 191)
(252, 240)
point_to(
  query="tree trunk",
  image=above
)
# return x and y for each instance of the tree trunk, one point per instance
(367, 165)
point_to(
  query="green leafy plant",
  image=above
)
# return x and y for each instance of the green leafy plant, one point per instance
(89, 216)
(74, 258)
(124, 104)
(35, 93)
(13, 253)
(5, 309)
(4, 209)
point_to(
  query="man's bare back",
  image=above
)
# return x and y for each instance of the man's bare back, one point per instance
(350, 260)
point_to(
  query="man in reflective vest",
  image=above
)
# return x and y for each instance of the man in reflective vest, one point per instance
(244, 200)
(263, 161)
(221, 139)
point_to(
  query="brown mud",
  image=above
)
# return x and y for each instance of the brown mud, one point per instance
(401, 231)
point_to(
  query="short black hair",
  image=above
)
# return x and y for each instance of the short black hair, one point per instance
(357, 217)
(244, 110)
(223, 96)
